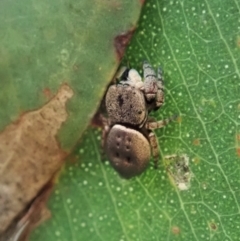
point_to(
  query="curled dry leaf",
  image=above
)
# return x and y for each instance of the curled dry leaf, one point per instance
(30, 156)
(33, 215)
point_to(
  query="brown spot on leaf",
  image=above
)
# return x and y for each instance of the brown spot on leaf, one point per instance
(47, 93)
(30, 155)
(96, 121)
(73, 159)
(213, 226)
(238, 151)
(179, 119)
(196, 160)
(121, 41)
(142, 1)
(176, 230)
(196, 142)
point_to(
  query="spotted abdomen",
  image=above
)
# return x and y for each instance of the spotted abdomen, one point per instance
(128, 151)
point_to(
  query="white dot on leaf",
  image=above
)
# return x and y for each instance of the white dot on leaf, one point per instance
(83, 225)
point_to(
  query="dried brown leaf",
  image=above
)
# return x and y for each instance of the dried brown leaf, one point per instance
(30, 156)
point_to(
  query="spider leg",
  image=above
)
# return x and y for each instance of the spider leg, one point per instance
(153, 86)
(152, 125)
(160, 91)
(150, 82)
(154, 146)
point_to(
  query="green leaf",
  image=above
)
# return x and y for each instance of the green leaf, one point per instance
(46, 44)
(197, 44)
(56, 59)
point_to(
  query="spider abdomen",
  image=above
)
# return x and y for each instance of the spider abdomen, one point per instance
(128, 150)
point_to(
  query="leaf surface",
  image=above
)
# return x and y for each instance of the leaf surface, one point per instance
(46, 44)
(197, 44)
(56, 59)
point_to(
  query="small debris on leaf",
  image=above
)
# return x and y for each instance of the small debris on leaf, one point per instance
(179, 171)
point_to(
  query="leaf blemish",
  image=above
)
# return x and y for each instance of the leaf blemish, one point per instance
(196, 160)
(179, 171)
(238, 151)
(176, 230)
(121, 41)
(47, 93)
(196, 142)
(213, 226)
(30, 155)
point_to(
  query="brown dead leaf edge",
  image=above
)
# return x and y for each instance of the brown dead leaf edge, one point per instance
(30, 156)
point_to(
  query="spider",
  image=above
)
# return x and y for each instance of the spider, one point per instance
(128, 137)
